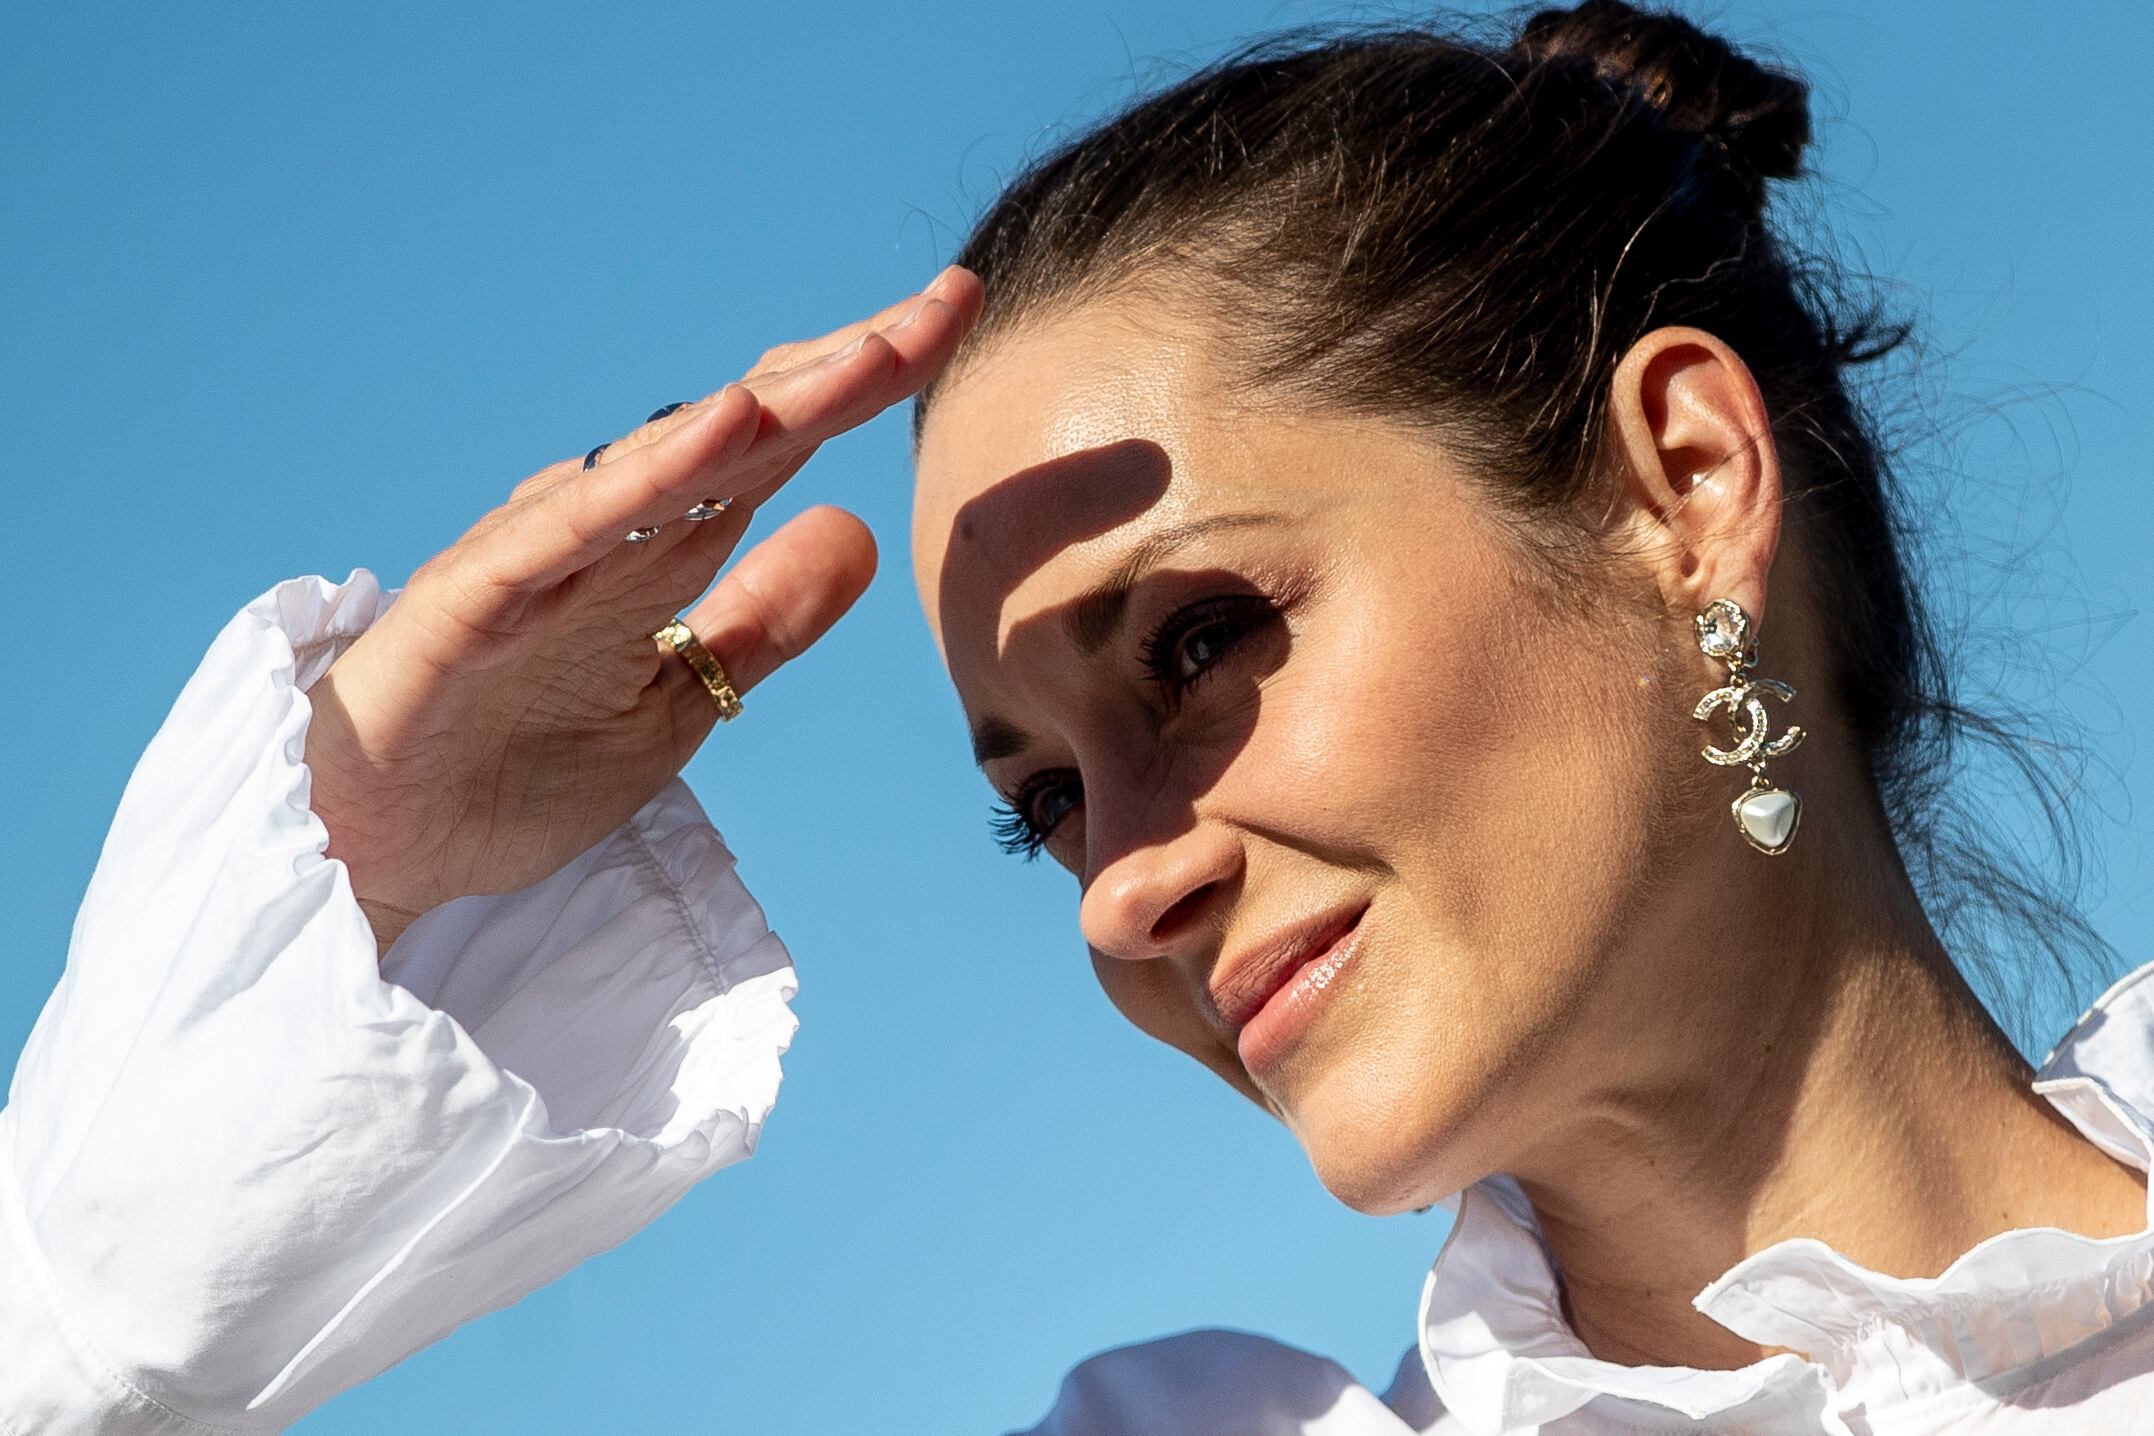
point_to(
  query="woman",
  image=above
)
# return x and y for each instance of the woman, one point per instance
(1352, 487)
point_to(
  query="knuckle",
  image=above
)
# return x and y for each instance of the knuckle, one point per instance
(463, 578)
(652, 430)
(428, 574)
(778, 356)
(489, 524)
(778, 641)
(445, 579)
(446, 571)
(545, 480)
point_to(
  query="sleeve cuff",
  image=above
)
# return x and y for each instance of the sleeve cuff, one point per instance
(244, 1166)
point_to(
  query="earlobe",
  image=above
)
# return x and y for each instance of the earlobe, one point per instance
(1692, 446)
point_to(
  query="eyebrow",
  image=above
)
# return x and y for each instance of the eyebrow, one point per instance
(1094, 617)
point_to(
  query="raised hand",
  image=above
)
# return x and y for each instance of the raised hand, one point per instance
(510, 709)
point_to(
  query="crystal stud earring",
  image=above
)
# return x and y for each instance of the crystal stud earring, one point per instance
(1764, 814)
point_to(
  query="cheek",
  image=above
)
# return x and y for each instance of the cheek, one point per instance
(1505, 772)
(1509, 757)
(1156, 1000)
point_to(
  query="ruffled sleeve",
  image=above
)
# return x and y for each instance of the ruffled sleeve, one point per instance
(244, 1165)
(1221, 1383)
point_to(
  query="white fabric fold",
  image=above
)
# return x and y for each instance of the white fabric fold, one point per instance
(1212, 1383)
(2028, 1316)
(1505, 1361)
(244, 1166)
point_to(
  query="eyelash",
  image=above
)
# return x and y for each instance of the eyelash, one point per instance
(1016, 830)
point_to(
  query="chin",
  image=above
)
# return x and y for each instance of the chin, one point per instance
(1381, 1152)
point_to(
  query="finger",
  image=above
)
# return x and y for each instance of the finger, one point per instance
(825, 396)
(800, 353)
(803, 407)
(811, 404)
(694, 549)
(663, 421)
(962, 290)
(953, 285)
(781, 597)
(788, 358)
(583, 517)
(919, 339)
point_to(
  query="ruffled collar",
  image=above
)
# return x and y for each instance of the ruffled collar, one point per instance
(1503, 1359)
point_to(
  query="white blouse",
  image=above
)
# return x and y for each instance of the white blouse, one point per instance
(244, 1167)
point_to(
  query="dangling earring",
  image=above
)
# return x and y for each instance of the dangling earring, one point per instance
(1765, 815)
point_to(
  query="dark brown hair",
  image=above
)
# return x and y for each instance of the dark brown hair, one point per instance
(1468, 235)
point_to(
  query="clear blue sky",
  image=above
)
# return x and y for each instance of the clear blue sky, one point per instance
(289, 289)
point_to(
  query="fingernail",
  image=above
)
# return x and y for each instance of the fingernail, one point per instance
(663, 410)
(910, 315)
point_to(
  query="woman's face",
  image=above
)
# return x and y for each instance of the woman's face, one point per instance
(1359, 817)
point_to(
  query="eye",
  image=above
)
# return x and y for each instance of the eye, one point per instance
(1024, 822)
(1192, 640)
(1189, 644)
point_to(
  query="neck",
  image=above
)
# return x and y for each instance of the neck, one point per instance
(1823, 1072)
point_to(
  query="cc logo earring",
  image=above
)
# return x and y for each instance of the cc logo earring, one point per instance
(1764, 814)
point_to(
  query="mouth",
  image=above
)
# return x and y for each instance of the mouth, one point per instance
(1266, 995)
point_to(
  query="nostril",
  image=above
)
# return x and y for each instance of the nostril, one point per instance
(1181, 915)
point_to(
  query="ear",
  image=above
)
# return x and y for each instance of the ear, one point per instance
(1690, 438)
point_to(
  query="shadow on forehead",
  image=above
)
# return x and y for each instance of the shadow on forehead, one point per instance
(1004, 535)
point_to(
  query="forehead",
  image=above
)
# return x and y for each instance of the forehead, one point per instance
(1067, 436)
(1074, 378)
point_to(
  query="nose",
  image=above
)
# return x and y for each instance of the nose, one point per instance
(1159, 896)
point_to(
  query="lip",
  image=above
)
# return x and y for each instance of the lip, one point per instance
(1266, 994)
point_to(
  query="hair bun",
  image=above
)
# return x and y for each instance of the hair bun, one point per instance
(1699, 82)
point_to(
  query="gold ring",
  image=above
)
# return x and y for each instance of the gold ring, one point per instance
(676, 636)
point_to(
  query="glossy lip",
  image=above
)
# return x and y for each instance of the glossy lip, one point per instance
(1246, 982)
